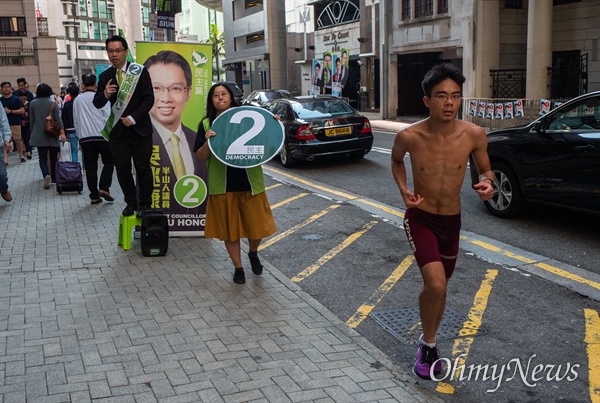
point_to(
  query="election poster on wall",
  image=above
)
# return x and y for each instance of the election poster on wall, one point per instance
(181, 75)
(316, 77)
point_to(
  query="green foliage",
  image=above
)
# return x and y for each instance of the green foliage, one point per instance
(217, 40)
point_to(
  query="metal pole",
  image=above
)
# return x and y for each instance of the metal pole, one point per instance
(77, 72)
(383, 61)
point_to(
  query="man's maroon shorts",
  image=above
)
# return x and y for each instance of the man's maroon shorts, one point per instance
(433, 237)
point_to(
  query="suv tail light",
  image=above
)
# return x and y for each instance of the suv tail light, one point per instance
(366, 129)
(304, 133)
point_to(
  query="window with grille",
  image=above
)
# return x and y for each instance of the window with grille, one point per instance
(442, 6)
(423, 8)
(406, 9)
(334, 13)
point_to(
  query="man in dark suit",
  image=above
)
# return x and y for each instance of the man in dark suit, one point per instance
(131, 135)
(326, 74)
(343, 73)
(171, 77)
(316, 80)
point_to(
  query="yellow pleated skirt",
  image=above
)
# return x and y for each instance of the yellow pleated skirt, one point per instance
(235, 215)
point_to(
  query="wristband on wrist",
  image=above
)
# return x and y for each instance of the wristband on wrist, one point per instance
(488, 179)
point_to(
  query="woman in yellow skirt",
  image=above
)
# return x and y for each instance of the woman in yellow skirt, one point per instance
(237, 203)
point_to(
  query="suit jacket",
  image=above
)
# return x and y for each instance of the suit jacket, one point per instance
(326, 72)
(343, 75)
(139, 106)
(199, 170)
(190, 136)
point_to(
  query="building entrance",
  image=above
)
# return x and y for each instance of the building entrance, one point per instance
(411, 71)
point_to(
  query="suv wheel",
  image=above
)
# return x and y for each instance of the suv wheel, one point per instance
(508, 200)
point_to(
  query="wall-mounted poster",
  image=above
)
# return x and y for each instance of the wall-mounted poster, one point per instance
(316, 76)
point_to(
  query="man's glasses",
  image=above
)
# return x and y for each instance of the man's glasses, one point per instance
(173, 89)
(115, 51)
(445, 97)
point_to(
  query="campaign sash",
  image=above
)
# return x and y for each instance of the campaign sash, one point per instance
(124, 95)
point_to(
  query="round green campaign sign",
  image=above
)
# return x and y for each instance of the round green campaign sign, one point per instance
(190, 191)
(246, 137)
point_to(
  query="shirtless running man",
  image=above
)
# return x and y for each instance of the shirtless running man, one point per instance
(439, 148)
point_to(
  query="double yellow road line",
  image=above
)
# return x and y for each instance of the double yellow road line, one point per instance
(462, 345)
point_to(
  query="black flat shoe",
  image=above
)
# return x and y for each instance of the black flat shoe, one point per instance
(128, 211)
(238, 276)
(257, 267)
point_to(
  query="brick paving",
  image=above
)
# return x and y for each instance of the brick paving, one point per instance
(83, 320)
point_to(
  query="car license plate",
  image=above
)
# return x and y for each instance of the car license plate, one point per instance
(338, 131)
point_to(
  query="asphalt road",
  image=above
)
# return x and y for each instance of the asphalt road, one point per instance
(340, 238)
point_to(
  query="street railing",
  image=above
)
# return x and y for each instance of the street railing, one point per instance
(17, 55)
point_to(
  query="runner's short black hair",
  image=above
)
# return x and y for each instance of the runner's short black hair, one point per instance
(439, 73)
(4, 83)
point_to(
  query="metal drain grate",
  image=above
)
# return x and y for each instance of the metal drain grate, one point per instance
(405, 325)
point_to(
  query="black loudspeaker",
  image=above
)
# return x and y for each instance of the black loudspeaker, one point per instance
(155, 233)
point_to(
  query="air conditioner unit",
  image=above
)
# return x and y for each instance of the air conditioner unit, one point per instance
(110, 5)
(112, 26)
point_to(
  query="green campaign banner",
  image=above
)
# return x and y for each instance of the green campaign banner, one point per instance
(181, 75)
(246, 137)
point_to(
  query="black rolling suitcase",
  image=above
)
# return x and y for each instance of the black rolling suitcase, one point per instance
(68, 177)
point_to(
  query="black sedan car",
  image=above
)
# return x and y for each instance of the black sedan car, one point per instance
(553, 160)
(263, 98)
(319, 126)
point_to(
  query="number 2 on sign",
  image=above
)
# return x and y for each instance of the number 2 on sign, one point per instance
(239, 145)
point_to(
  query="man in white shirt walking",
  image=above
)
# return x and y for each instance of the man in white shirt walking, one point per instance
(89, 122)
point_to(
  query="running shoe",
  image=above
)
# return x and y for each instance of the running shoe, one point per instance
(426, 357)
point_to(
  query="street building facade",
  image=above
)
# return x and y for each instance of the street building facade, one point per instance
(28, 49)
(509, 49)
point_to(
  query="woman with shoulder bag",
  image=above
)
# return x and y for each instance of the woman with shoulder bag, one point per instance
(48, 147)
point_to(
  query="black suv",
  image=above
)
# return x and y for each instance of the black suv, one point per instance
(553, 160)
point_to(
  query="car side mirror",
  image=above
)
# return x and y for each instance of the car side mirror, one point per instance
(540, 126)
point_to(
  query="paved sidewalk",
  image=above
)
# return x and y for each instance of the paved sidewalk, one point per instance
(387, 125)
(83, 320)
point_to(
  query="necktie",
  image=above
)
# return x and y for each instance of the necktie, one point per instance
(119, 77)
(178, 165)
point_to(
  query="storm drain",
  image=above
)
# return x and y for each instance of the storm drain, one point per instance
(405, 325)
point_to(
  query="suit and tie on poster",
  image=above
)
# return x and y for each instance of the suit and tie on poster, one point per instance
(327, 70)
(340, 73)
(181, 77)
(316, 76)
